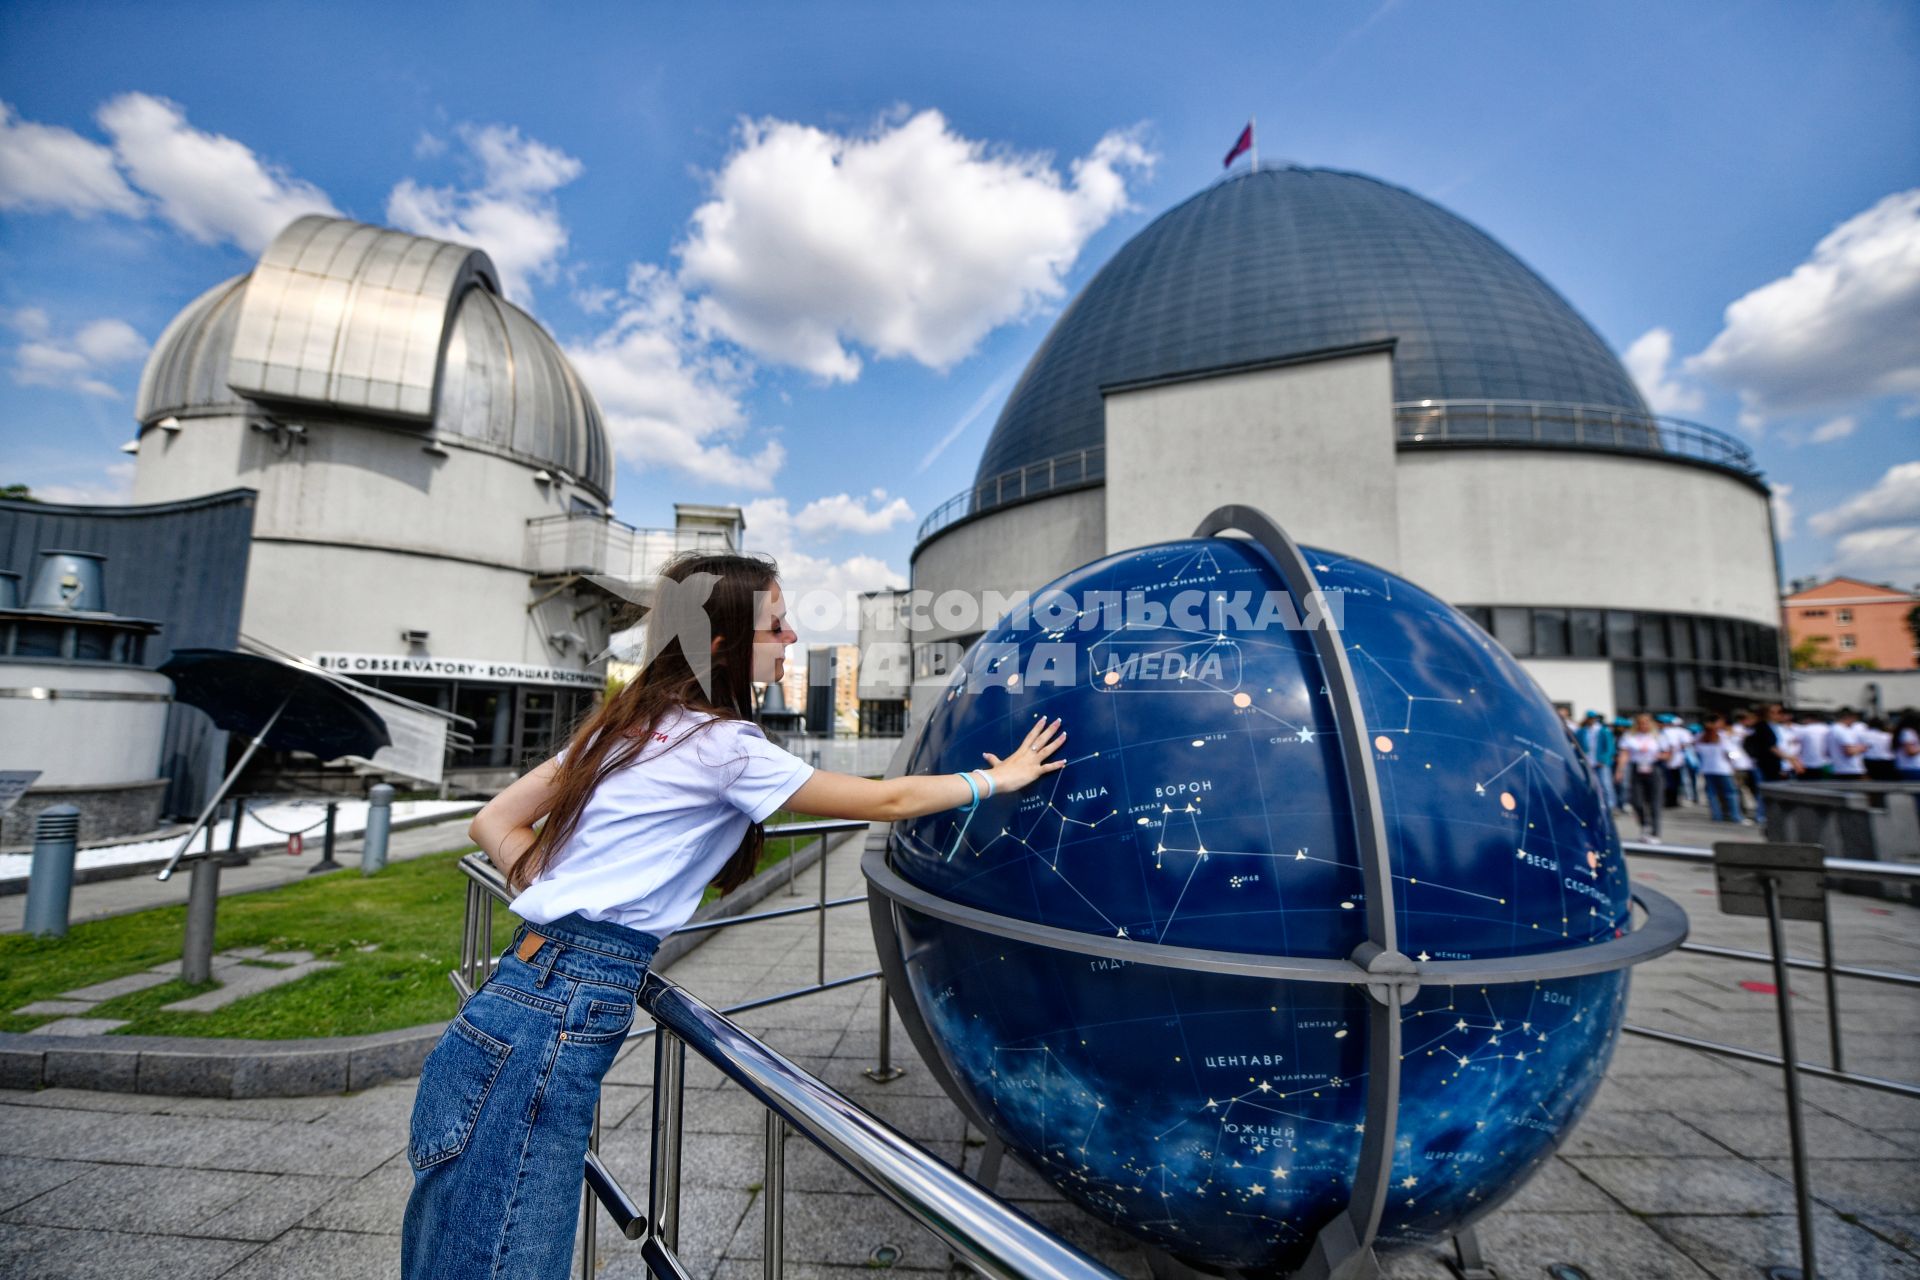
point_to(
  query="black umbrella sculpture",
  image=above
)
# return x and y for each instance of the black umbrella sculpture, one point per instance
(277, 704)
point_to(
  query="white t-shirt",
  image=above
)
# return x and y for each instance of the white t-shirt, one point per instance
(1676, 738)
(655, 834)
(1904, 754)
(1716, 758)
(1736, 740)
(1842, 737)
(1879, 744)
(1642, 750)
(1813, 737)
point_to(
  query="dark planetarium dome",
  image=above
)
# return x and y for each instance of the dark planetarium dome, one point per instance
(1282, 262)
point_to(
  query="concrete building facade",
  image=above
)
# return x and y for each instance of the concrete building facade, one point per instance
(1851, 622)
(1390, 384)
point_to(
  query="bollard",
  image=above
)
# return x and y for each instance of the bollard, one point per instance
(233, 857)
(326, 862)
(56, 835)
(203, 904)
(373, 848)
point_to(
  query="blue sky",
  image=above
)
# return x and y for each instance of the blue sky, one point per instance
(1657, 163)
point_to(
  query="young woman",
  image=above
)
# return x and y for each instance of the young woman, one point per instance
(1715, 748)
(1644, 753)
(661, 792)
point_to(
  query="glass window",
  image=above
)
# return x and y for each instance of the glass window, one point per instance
(1845, 618)
(1680, 635)
(1657, 683)
(1586, 637)
(1623, 637)
(1550, 633)
(39, 640)
(1513, 628)
(1481, 615)
(1653, 635)
(1626, 687)
(92, 644)
(1686, 694)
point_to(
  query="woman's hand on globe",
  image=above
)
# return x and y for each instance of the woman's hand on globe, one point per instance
(1029, 759)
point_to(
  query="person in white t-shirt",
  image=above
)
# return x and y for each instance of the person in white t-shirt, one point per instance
(1906, 747)
(659, 794)
(1715, 748)
(1880, 757)
(1815, 738)
(1848, 741)
(1640, 767)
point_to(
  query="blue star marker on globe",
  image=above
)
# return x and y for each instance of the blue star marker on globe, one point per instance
(1321, 937)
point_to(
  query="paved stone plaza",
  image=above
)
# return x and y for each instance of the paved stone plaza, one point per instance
(1680, 1169)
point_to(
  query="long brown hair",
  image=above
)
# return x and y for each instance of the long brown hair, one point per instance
(698, 596)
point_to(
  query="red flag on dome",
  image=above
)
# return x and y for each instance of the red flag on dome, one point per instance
(1241, 146)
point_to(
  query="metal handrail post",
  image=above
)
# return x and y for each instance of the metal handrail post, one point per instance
(773, 1242)
(1833, 991)
(589, 1209)
(1796, 1134)
(669, 1102)
(883, 1071)
(820, 964)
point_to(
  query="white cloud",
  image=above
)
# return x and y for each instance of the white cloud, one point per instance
(668, 400)
(909, 240)
(511, 213)
(1836, 330)
(1834, 429)
(1878, 531)
(46, 167)
(1783, 511)
(1889, 555)
(844, 513)
(1649, 360)
(1894, 499)
(206, 184)
(822, 593)
(80, 363)
(114, 486)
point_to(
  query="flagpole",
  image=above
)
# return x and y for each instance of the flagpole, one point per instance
(1253, 138)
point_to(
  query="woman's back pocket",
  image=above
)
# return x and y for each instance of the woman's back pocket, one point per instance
(454, 1083)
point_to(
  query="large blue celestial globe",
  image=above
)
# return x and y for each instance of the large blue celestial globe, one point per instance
(1214, 1116)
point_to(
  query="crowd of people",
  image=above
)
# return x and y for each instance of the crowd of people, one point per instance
(1651, 763)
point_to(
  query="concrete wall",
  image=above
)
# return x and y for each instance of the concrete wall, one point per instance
(1014, 550)
(1585, 682)
(1898, 690)
(1311, 444)
(367, 485)
(886, 655)
(1547, 527)
(112, 736)
(360, 534)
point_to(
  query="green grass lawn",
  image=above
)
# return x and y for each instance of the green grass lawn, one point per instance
(394, 937)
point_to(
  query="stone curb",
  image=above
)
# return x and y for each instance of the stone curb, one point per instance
(13, 885)
(205, 1067)
(210, 1067)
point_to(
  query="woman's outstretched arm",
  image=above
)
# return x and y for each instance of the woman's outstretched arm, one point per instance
(844, 795)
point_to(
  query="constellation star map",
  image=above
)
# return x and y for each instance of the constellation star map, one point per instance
(1219, 1117)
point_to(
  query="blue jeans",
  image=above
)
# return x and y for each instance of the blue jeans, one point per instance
(1723, 798)
(498, 1139)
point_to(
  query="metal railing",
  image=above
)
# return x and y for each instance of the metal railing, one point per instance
(1062, 471)
(1837, 869)
(1443, 422)
(588, 542)
(990, 1236)
(1779, 881)
(1417, 423)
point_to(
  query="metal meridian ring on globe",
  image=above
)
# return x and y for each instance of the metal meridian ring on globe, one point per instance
(1664, 929)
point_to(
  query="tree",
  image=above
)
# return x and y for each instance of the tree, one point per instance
(1811, 654)
(20, 493)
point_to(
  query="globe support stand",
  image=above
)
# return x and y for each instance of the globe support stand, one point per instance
(1344, 1248)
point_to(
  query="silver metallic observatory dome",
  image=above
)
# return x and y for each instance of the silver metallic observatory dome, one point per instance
(353, 321)
(1283, 262)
